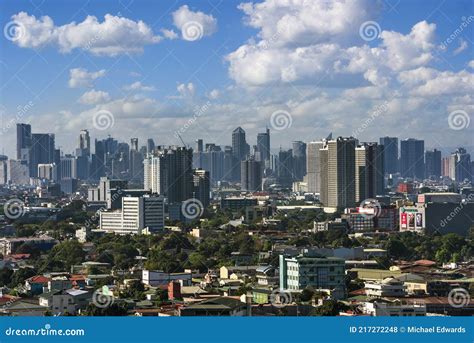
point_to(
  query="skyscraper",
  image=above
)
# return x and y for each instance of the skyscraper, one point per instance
(433, 163)
(285, 168)
(23, 141)
(313, 172)
(199, 145)
(41, 151)
(390, 146)
(240, 147)
(150, 145)
(202, 186)
(412, 153)
(369, 171)
(337, 160)
(169, 172)
(299, 160)
(251, 175)
(136, 161)
(460, 165)
(240, 150)
(84, 143)
(263, 146)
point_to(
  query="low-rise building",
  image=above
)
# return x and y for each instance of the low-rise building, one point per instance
(310, 270)
(394, 308)
(157, 278)
(389, 287)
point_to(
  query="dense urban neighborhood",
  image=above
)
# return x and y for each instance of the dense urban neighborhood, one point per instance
(334, 227)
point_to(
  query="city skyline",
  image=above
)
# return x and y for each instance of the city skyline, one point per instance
(158, 81)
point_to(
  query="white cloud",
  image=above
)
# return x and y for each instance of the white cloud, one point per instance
(138, 86)
(318, 42)
(93, 97)
(186, 90)
(214, 94)
(113, 36)
(463, 45)
(169, 34)
(302, 23)
(194, 25)
(471, 64)
(80, 77)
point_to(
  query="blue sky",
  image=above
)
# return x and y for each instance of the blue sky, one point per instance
(250, 64)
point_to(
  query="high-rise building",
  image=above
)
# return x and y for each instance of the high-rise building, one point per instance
(460, 165)
(136, 161)
(68, 167)
(137, 215)
(150, 146)
(202, 186)
(446, 167)
(369, 171)
(285, 168)
(299, 160)
(41, 151)
(18, 172)
(337, 161)
(84, 143)
(433, 163)
(23, 141)
(47, 171)
(313, 172)
(230, 173)
(251, 175)
(199, 145)
(240, 149)
(263, 147)
(169, 173)
(390, 147)
(3, 170)
(412, 158)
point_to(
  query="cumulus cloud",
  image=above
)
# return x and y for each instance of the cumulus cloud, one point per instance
(292, 46)
(214, 94)
(93, 97)
(169, 34)
(186, 90)
(113, 36)
(193, 25)
(463, 45)
(80, 77)
(138, 86)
